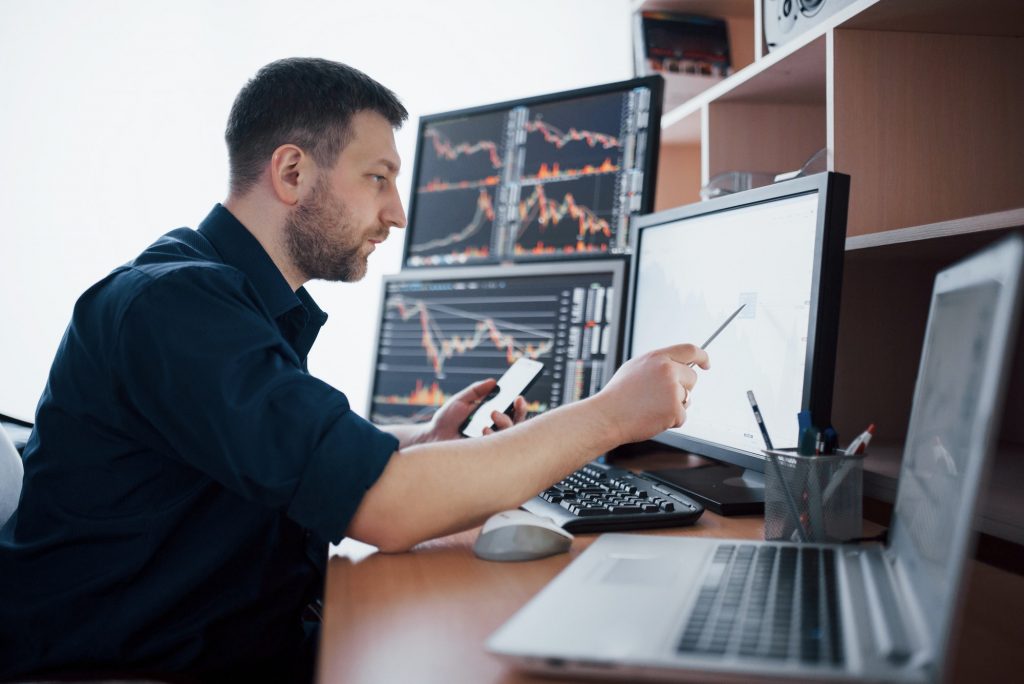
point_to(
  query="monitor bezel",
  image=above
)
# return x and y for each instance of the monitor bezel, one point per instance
(616, 267)
(655, 83)
(826, 288)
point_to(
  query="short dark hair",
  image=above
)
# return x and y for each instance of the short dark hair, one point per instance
(304, 101)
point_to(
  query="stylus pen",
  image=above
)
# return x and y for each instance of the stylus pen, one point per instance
(720, 329)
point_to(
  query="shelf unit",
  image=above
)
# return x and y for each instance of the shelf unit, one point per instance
(919, 101)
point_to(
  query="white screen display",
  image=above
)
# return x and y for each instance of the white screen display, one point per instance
(694, 273)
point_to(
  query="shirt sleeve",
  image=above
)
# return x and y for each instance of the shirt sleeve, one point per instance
(209, 380)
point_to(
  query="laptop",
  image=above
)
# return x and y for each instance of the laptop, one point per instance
(693, 608)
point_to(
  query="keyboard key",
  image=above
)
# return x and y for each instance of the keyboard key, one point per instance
(835, 631)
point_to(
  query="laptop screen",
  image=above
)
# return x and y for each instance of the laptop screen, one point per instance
(952, 425)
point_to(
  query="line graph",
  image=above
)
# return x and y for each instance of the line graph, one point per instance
(537, 207)
(444, 148)
(483, 216)
(440, 346)
(462, 152)
(555, 171)
(551, 219)
(460, 227)
(438, 185)
(560, 139)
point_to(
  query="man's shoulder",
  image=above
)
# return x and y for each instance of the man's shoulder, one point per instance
(182, 249)
(182, 254)
(181, 264)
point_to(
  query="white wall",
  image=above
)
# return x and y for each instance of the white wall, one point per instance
(112, 116)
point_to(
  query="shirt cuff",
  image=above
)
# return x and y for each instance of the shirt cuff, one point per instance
(347, 462)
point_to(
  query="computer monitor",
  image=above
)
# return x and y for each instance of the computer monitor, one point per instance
(550, 177)
(778, 251)
(442, 329)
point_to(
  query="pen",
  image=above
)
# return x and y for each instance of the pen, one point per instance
(860, 444)
(720, 329)
(830, 439)
(760, 419)
(793, 512)
(808, 442)
(857, 446)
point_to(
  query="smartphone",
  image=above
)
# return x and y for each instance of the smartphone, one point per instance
(516, 380)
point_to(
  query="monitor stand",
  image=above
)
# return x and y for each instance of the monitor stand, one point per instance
(723, 489)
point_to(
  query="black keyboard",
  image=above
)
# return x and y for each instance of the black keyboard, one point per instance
(769, 602)
(603, 498)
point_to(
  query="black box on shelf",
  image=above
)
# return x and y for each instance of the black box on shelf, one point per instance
(666, 42)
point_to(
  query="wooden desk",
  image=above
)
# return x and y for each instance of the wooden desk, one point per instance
(424, 616)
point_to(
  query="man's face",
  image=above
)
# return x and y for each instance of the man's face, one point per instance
(331, 232)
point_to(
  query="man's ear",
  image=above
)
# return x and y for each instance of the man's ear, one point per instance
(291, 173)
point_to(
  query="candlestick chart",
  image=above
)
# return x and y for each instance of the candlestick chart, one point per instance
(439, 336)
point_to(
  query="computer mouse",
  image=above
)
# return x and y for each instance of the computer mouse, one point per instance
(520, 535)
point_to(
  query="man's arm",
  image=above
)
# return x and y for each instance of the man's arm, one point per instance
(428, 490)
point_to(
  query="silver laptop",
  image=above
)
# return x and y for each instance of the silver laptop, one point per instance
(692, 608)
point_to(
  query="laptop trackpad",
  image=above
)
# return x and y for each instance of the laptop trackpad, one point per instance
(645, 570)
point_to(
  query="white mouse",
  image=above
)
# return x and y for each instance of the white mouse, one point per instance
(520, 535)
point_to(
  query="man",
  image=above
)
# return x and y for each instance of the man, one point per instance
(186, 472)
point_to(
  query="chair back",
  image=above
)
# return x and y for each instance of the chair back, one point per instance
(12, 471)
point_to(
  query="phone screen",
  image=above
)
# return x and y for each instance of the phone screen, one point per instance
(516, 380)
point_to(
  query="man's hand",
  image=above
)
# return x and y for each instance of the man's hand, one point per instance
(450, 417)
(650, 393)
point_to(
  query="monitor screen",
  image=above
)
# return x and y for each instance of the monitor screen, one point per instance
(440, 332)
(775, 251)
(550, 177)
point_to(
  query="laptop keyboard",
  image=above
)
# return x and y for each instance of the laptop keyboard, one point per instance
(603, 498)
(776, 602)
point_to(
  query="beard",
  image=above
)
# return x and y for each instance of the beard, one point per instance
(321, 241)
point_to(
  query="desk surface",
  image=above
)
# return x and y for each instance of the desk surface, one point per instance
(424, 616)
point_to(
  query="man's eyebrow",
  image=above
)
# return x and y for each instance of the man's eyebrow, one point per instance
(389, 165)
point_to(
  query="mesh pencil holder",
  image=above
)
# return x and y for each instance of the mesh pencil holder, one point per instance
(812, 498)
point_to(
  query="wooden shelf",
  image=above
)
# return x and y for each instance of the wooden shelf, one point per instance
(681, 88)
(1001, 512)
(685, 132)
(956, 17)
(1000, 220)
(882, 470)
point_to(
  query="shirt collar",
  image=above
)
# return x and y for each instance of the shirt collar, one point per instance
(239, 248)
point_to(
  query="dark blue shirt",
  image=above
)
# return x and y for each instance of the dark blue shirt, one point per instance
(185, 472)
